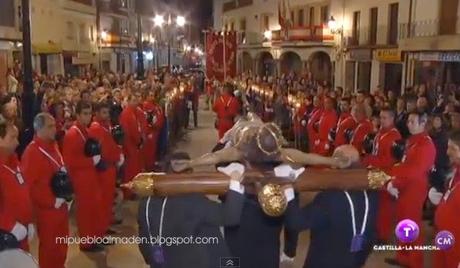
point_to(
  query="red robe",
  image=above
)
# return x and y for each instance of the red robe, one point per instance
(299, 116)
(447, 217)
(153, 132)
(86, 183)
(364, 127)
(133, 122)
(411, 179)
(342, 126)
(382, 158)
(315, 116)
(227, 108)
(15, 202)
(52, 223)
(111, 154)
(342, 117)
(327, 121)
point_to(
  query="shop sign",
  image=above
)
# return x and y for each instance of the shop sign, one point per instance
(449, 56)
(360, 55)
(387, 55)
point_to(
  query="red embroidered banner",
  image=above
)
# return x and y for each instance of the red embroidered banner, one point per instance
(216, 66)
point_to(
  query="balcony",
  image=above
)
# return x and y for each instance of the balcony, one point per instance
(316, 33)
(234, 4)
(116, 8)
(436, 34)
(117, 39)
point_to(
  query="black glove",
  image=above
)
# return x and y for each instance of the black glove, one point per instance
(101, 165)
(7, 241)
(149, 117)
(118, 134)
(398, 149)
(332, 134)
(62, 186)
(92, 147)
(368, 143)
(349, 135)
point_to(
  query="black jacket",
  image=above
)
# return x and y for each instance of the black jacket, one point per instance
(329, 219)
(185, 216)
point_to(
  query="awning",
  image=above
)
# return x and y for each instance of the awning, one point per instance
(46, 48)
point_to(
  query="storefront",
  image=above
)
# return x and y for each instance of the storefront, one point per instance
(358, 70)
(47, 58)
(391, 69)
(434, 68)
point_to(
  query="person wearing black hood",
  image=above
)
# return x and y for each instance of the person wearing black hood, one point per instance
(439, 135)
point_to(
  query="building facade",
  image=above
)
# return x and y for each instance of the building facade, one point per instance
(10, 37)
(374, 44)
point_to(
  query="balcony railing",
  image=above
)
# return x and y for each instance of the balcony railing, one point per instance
(234, 4)
(316, 33)
(428, 28)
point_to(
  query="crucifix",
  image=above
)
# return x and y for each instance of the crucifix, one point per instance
(258, 146)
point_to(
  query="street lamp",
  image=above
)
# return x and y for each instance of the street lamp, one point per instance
(159, 20)
(180, 21)
(104, 35)
(268, 35)
(332, 24)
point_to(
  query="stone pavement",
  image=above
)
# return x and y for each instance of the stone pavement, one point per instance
(196, 142)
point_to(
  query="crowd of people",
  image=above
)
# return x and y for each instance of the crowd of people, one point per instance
(90, 134)
(412, 137)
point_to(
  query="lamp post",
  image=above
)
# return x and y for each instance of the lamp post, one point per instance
(159, 21)
(337, 30)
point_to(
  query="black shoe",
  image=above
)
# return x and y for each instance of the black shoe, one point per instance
(394, 262)
(93, 249)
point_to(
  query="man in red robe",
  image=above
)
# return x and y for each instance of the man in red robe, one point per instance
(346, 123)
(100, 129)
(327, 121)
(227, 108)
(85, 179)
(41, 161)
(447, 217)
(361, 115)
(410, 184)
(15, 203)
(133, 122)
(155, 122)
(382, 158)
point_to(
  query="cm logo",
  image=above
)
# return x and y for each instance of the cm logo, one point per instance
(444, 240)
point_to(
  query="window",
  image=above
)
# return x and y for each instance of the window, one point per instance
(293, 21)
(312, 16)
(91, 33)
(232, 26)
(83, 34)
(266, 24)
(393, 24)
(324, 14)
(301, 17)
(70, 30)
(243, 24)
(7, 13)
(356, 25)
(373, 26)
(448, 17)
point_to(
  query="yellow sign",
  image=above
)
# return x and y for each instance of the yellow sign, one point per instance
(387, 55)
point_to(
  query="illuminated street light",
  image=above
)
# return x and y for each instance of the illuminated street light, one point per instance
(180, 21)
(159, 20)
(104, 35)
(333, 26)
(268, 35)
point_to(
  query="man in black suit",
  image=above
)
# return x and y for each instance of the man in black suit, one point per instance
(189, 216)
(342, 225)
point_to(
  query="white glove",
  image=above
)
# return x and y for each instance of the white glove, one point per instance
(289, 193)
(233, 167)
(392, 190)
(286, 171)
(96, 159)
(316, 142)
(58, 203)
(435, 196)
(154, 119)
(121, 161)
(303, 123)
(30, 232)
(19, 231)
